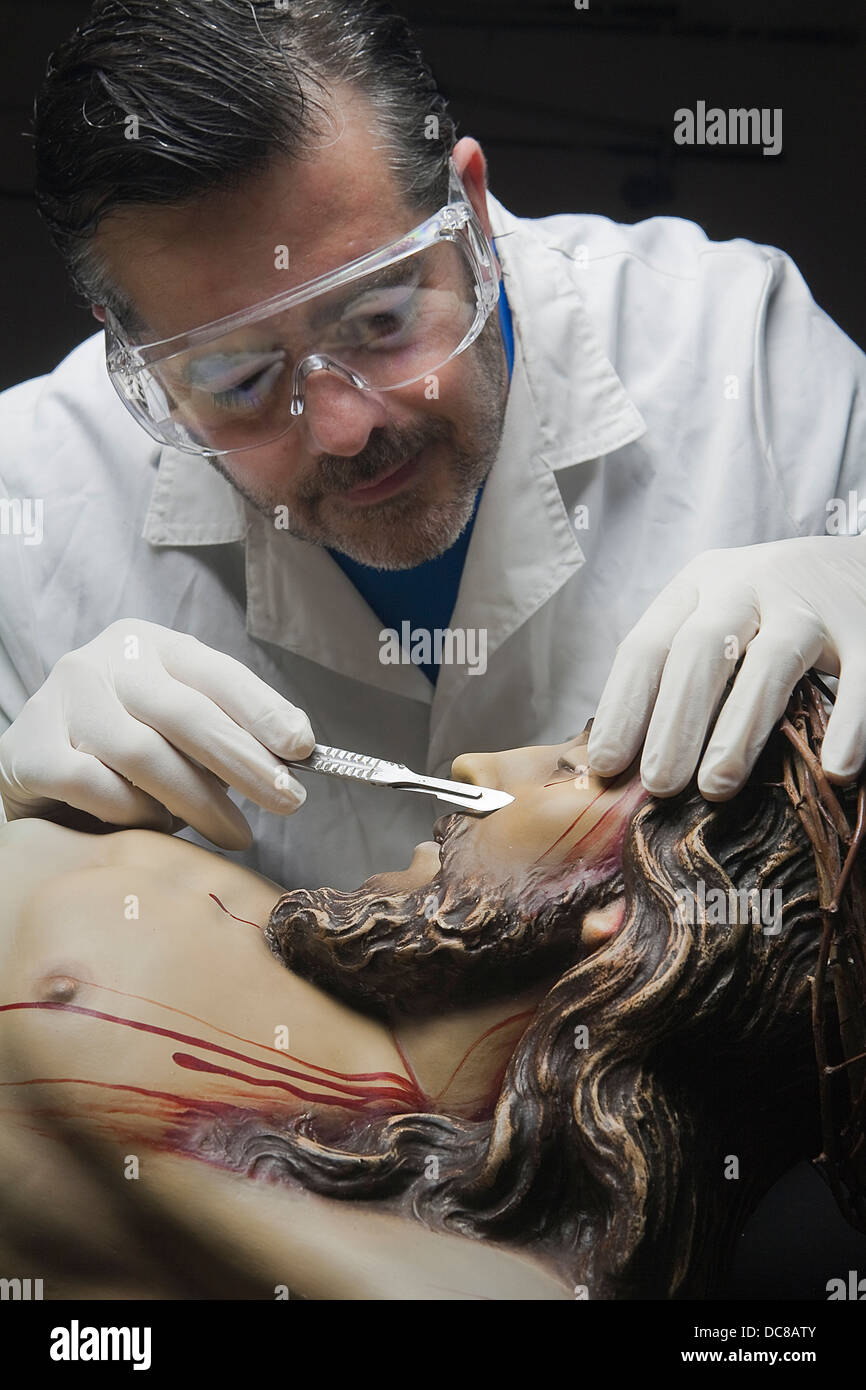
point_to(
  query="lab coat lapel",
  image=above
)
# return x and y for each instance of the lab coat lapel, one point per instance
(566, 405)
(582, 410)
(299, 598)
(523, 549)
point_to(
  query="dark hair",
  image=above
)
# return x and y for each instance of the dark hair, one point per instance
(611, 1161)
(219, 88)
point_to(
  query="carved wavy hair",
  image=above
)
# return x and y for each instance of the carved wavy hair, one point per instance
(630, 1163)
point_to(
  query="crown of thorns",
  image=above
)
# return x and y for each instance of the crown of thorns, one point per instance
(839, 981)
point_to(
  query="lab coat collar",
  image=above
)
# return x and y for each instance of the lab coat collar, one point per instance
(581, 406)
(566, 405)
(192, 504)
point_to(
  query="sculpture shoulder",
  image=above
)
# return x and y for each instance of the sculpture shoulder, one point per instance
(32, 851)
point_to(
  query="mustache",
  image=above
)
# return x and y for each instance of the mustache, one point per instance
(443, 825)
(341, 905)
(449, 831)
(386, 449)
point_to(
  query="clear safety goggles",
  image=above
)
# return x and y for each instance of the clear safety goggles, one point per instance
(381, 322)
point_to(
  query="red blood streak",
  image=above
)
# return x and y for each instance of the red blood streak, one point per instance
(527, 1013)
(632, 796)
(183, 1059)
(239, 1037)
(403, 1058)
(596, 833)
(189, 1063)
(420, 1094)
(346, 1083)
(569, 828)
(231, 914)
(185, 1101)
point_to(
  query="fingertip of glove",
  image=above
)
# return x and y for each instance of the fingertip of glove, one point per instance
(296, 738)
(602, 759)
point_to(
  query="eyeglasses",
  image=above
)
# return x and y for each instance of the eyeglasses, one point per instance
(384, 321)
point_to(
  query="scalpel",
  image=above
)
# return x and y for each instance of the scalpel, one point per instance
(338, 762)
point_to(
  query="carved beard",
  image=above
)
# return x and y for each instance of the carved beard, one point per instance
(458, 938)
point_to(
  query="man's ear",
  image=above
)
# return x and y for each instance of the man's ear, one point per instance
(98, 312)
(471, 165)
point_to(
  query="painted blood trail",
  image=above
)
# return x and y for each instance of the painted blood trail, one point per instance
(603, 840)
(231, 914)
(488, 1033)
(351, 1091)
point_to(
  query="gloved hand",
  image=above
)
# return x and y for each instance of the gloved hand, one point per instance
(789, 605)
(121, 725)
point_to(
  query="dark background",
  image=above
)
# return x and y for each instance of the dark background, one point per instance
(575, 111)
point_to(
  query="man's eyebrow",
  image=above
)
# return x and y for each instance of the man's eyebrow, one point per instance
(397, 274)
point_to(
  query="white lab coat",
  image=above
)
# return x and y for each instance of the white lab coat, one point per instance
(686, 393)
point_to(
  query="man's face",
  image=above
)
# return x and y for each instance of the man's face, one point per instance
(388, 478)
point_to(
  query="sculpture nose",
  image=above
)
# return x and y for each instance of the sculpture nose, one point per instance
(478, 769)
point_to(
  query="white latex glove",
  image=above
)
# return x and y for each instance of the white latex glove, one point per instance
(146, 727)
(788, 605)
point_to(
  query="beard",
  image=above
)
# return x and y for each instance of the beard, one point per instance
(458, 939)
(405, 530)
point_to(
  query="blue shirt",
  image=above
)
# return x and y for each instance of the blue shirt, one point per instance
(425, 595)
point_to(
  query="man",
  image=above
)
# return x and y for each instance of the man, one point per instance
(323, 468)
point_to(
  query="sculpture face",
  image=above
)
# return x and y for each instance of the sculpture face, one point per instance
(547, 866)
(562, 815)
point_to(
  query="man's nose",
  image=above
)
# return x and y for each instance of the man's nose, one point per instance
(339, 418)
